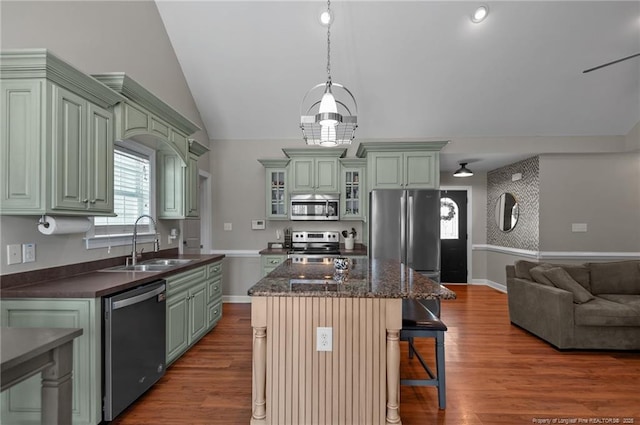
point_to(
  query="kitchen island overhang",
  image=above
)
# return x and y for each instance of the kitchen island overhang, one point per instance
(356, 382)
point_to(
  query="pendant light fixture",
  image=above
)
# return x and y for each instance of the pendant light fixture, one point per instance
(463, 171)
(330, 119)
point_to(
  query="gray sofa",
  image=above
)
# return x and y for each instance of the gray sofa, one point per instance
(580, 306)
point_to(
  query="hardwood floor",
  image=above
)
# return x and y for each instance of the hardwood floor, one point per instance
(496, 373)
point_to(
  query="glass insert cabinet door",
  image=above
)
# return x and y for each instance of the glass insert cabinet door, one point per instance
(277, 193)
(353, 202)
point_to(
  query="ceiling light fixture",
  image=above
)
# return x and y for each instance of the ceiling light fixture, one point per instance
(463, 171)
(480, 14)
(326, 17)
(332, 120)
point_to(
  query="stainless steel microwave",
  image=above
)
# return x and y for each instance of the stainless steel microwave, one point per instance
(315, 207)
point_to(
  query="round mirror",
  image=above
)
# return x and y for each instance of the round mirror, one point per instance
(507, 212)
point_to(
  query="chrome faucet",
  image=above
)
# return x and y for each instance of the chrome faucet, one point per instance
(156, 242)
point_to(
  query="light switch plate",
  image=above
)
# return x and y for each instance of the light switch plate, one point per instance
(228, 227)
(28, 252)
(578, 227)
(14, 254)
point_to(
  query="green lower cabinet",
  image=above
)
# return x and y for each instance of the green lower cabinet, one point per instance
(21, 404)
(270, 262)
(194, 306)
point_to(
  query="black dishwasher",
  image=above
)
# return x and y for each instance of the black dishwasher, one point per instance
(134, 345)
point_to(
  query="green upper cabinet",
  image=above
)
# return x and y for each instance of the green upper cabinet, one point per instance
(82, 157)
(178, 184)
(276, 193)
(56, 137)
(145, 118)
(352, 188)
(314, 170)
(402, 165)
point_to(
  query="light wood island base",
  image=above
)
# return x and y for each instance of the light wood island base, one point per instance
(357, 382)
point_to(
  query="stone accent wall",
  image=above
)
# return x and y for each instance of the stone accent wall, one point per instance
(525, 234)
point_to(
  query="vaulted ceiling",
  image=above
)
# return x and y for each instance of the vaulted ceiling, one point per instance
(418, 69)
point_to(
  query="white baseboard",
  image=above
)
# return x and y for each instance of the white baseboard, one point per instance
(236, 299)
(495, 285)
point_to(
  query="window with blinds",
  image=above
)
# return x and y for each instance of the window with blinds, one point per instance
(131, 193)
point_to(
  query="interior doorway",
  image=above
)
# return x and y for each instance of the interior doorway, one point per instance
(454, 235)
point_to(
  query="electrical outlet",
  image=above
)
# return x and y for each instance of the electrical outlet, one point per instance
(324, 340)
(28, 252)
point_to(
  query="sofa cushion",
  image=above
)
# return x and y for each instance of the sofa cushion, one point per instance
(523, 267)
(602, 312)
(537, 273)
(615, 277)
(563, 280)
(579, 272)
(630, 300)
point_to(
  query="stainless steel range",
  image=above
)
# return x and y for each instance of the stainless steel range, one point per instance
(314, 246)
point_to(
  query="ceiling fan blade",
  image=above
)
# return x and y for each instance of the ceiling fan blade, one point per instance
(610, 63)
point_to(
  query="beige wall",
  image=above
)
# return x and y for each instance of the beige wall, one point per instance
(632, 141)
(601, 190)
(104, 36)
(95, 36)
(239, 195)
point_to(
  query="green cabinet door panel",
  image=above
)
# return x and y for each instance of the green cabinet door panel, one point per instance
(190, 296)
(198, 312)
(23, 153)
(177, 325)
(215, 313)
(21, 404)
(270, 262)
(69, 151)
(419, 170)
(326, 175)
(170, 186)
(276, 188)
(100, 159)
(386, 170)
(192, 191)
(309, 175)
(302, 175)
(353, 191)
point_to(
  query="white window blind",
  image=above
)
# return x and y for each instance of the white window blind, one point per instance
(131, 193)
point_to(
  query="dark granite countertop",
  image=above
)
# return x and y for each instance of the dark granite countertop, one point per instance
(366, 279)
(94, 284)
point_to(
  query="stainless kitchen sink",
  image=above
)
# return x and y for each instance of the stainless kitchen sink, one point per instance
(166, 261)
(138, 268)
(153, 265)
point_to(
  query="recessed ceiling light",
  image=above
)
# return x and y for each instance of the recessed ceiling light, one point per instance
(480, 14)
(326, 17)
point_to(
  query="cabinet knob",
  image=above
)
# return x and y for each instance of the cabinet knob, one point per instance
(93, 201)
(84, 201)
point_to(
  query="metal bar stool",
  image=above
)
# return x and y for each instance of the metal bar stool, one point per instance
(419, 322)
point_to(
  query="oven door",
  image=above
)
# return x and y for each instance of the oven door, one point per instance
(315, 210)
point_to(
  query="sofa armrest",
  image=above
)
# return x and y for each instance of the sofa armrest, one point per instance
(544, 311)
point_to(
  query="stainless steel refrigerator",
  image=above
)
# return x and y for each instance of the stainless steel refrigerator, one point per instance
(405, 225)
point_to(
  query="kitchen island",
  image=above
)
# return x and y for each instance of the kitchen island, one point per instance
(357, 380)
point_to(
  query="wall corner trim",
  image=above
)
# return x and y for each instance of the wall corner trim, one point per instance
(506, 250)
(558, 255)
